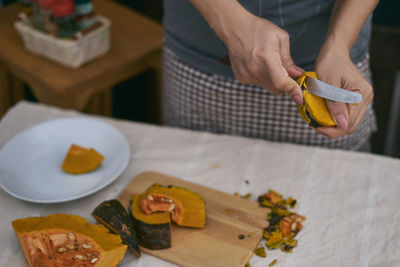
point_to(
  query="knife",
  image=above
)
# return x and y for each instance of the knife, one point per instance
(322, 89)
(325, 90)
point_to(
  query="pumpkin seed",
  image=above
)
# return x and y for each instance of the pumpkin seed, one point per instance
(71, 236)
(61, 250)
(70, 246)
(171, 207)
(293, 227)
(94, 260)
(79, 257)
(84, 245)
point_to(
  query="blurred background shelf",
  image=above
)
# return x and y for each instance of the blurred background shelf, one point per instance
(136, 43)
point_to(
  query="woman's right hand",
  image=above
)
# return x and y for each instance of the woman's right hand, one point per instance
(259, 53)
(259, 50)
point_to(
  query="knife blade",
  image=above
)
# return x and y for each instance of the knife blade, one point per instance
(325, 90)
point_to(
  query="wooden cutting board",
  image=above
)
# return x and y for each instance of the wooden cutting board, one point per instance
(218, 244)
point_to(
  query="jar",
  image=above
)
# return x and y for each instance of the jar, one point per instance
(49, 25)
(36, 18)
(63, 16)
(84, 15)
(25, 7)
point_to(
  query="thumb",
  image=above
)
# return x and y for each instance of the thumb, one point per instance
(281, 81)
(287, 61)
(339, 113)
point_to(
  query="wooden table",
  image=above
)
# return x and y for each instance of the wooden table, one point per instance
(136, 43)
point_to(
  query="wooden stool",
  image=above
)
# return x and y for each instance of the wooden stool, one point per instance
(136, 44)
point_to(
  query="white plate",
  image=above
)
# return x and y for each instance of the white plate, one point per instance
(30, 163)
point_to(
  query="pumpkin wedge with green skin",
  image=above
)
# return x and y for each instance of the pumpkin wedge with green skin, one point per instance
(152, 230)
(67, 240)
(114, 216)
(314, 110)
(81, 160)
(187, 208)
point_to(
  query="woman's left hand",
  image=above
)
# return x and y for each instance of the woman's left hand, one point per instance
(334, 66)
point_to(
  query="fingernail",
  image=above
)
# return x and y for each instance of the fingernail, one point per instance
(298, 99)
(341, 122)
(299, 69)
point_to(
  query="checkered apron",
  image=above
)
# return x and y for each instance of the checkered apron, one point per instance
(201, 101)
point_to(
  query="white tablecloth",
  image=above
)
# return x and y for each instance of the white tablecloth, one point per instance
(351, 200)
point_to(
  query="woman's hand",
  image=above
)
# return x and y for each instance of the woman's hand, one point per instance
(335, 67)
(259, 54)
(259, 51)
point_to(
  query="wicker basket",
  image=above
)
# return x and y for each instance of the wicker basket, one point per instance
(70, 53)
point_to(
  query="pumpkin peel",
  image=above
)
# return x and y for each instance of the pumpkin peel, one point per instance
(153, 230)
(283, 225)
(113, 215)
(314, 110)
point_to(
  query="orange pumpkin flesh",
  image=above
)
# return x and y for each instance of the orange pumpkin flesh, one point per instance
(186, 207)
(67, 240)
(81, 160)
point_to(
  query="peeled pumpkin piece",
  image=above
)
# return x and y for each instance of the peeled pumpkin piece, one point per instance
(67, 240)
(152, 230)
(81, 160)
(187, 208)
(114, 216)
(314, 110)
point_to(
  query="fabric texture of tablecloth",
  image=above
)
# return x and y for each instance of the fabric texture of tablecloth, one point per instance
(350, 199)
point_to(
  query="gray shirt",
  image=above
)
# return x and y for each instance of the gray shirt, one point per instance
(189, 36)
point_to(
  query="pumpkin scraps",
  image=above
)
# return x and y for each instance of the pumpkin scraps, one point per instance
(247, 196)
(284, 225)
(261, 252)
(273, 262)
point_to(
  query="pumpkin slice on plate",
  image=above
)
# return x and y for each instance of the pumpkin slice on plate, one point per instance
(67, 240)
(152, 230)
(81, 160)
(187, 208)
